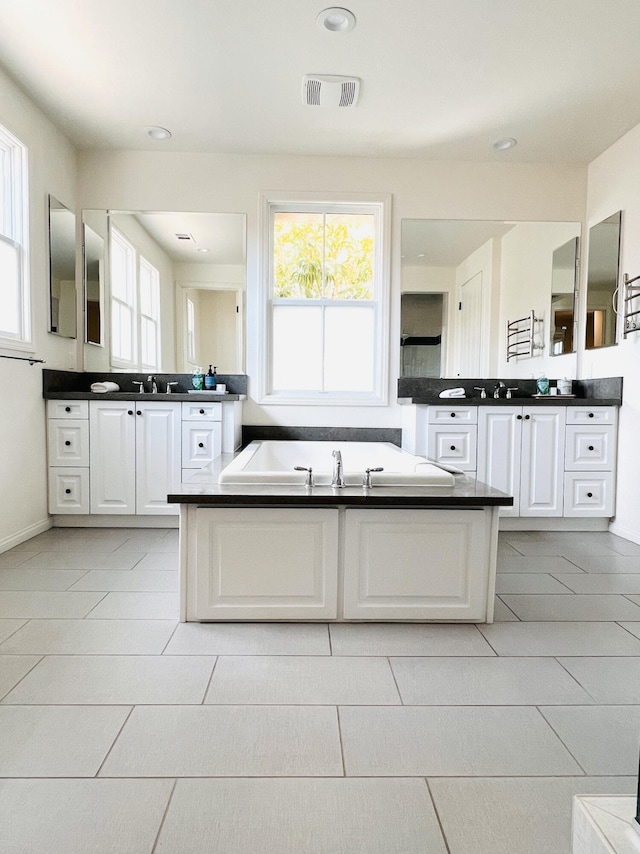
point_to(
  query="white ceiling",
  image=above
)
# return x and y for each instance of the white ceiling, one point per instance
(222, 234)
(440, 78)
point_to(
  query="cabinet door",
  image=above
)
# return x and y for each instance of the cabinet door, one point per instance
(201, 443)
(499, 447)
(454, 445)
(112, 456)
(158, 458)
(542, 461)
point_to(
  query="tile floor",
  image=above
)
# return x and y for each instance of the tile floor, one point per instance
(123, 731)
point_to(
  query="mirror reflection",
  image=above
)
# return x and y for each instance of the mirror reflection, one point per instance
(485, 273)
(563, 297)
(62, 270)
(602, 282)
(93, 251)
(174, 292)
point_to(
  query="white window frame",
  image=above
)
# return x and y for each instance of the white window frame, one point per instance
(14, 232)
(380, 207)
(151, 319)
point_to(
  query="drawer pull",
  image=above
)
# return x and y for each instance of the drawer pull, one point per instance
(67, 409)
(591, 415)
(130, 412)
(452, 448)
(138, 412)
(519, 417)
(591, 448)
(453, 415)
(67, 443)
(527, 417)
(202, 412)
(67, 492)
(589, 494)
(201, 444)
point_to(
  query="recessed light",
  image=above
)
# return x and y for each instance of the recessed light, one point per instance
(159, 133)
(204, 250)
(336, 20)
(505, 144)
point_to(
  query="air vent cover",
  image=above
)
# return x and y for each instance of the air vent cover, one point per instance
(185, 236)
(330, 91)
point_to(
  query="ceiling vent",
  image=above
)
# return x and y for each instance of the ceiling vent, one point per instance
(330, 91)
(186, 237)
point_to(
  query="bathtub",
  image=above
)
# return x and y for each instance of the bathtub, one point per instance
(275, 461)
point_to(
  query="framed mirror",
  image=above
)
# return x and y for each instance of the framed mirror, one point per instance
(564, 273)
(62, 270)
(603, 270)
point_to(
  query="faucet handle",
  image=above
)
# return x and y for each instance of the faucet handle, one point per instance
(139, 383)
(366, 480)
(482, 390)
(309, 471)
(170, 386)
(509, 390)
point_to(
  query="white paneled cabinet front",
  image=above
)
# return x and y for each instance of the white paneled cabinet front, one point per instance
(135, 456)
(521, 452)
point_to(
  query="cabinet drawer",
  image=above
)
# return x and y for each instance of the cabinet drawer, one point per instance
(588, 494)
(69, 490)
(589, 450)
(452, 415)
(201, 443)
(595, 415)
(456, 446)
(67, 408)
(200, 411)
(68, 442)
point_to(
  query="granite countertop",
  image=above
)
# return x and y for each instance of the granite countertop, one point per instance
(197, 397)
(549, 400)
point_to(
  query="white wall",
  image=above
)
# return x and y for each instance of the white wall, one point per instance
(614, 184)
(52, 169)
(232, 183)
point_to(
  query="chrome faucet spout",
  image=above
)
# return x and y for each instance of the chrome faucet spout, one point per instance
(337, 481)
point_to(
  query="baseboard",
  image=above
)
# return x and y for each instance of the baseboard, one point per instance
(115, 521)
(526, 523)
(625, 533)
(25, 534)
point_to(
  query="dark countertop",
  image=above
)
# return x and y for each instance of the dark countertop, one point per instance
(198, 397)
(550, 400)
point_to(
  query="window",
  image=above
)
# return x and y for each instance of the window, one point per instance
(135, 307)
(326, 305)
(15, 321)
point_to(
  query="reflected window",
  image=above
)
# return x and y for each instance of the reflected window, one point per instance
(15, 323)
(191, 331)
(602, 282)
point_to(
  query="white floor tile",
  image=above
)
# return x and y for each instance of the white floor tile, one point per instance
(114, 679)
(575, 607)
(159, 561)
(83, 560)
(227, 741)
(13, 668)
(297, 679)
(132, 580)
(607, 679)
(15, 557)
(561, 639)
(514, 815)
(65, 542)
(22, 578)
(90, 637)
(542, 563)
(633, 628)
(32, 604)
(610, 563)
(603, 739)
(73, 816)
(250, 639)
(296, 816)
(149, 542)
(573, 552)
(57, 741)
(485, 682)
(502, 614)
(137, 606)
(455, 741)
(605, 583)
(407, 639)
(505, 550)
(534, 582)
(626, 547)
(9, 627)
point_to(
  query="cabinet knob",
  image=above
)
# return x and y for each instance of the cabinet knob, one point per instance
(591, 448)
(589, 494)
(453, 415)
(130, 412)
(67, 492)
(452, 448)
(138, 412)
(519, 417)
(201, 444)
(67, 443)
(67, 409)
(591, 415)
(202, 412)
(527, 417)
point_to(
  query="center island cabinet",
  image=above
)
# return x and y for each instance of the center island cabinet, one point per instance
(276, 552)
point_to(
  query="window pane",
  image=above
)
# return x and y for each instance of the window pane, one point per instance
(149, 286)
(9, 289)
(148, 343)
(297, 348)
(349, 349)
(349, 256)
(121, 331)
(121, 273)
(297, 255)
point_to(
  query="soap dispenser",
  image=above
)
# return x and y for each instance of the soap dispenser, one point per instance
(210, 379)
(543, 384)
(197, 380)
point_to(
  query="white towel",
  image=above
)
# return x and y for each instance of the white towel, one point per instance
(452, 392)
(103, 388)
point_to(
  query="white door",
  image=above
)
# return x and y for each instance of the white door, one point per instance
(158, 456)
(470, 327)
(542, 460)
(499, 447)
(112, 455)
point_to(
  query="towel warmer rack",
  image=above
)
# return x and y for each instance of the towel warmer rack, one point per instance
(630, 310)
(520, 336)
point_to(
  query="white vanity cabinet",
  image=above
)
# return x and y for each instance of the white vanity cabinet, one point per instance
(201, 436)
(590, 456)
(452, 436)
(68, 454)
(135, 456)
(521, 452)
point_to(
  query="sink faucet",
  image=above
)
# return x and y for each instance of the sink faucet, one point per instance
(154, 385)
(496, 390)
(337, 481)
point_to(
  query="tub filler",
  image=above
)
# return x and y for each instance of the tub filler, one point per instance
(276, 462)
(420, 545)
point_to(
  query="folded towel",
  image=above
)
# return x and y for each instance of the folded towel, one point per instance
(452, 392)
(103, 388)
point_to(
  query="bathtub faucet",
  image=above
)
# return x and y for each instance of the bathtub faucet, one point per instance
(337, 481)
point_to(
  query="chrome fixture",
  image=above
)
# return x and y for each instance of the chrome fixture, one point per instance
(309, 478)
(170, 386)
(482, 390)
(140, 385)
(508, 394)
(154, 385)
(496, 390)
(337, 481)
(366, 480)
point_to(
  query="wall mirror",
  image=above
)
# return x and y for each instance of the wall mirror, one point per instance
(93, 249)
(485, 273)
(602, 282)
(62, 270)
(194, 264)
(563, 298)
